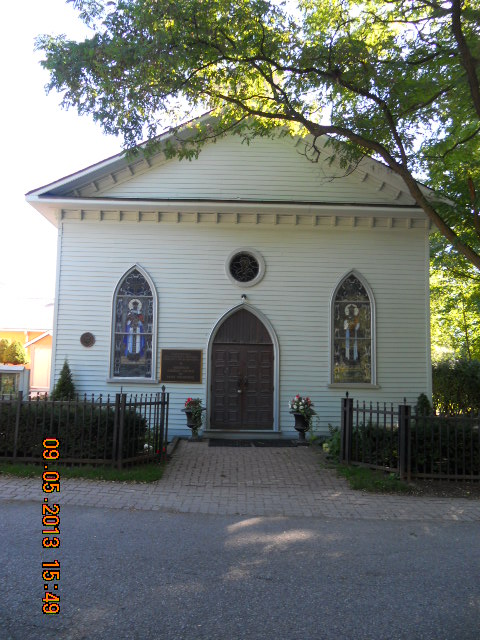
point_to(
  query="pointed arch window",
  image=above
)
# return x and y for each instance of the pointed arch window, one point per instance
(134, 327)
(353, 322)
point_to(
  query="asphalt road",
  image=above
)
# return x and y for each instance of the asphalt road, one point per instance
(155, 575)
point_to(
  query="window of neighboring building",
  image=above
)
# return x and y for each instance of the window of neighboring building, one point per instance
(8, 383)
(134, 327)
(353, 323)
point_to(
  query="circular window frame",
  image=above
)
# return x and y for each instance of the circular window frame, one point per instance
(261, 266)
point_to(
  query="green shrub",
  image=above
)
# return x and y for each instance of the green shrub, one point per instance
(83, 430)
(438, 445)
(445, 446)
(14, 353)
(332, 445)
(64, 388)
(375, 445)
(4, 343)
(423, 406)
(456, 387)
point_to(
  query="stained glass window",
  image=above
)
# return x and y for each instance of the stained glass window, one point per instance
(352, 332)
(244, 267)
(133, 327)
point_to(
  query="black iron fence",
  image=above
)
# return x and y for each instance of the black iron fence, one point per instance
(413, 445)
(114, 430)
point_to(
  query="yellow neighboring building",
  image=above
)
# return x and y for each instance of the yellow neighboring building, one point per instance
(31, 325)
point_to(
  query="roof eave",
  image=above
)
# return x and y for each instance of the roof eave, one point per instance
(51, 206)
(118, 160)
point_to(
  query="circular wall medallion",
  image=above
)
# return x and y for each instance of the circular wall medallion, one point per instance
(87, 339)
(245, 267)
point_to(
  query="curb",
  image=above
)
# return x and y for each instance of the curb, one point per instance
(172, 446)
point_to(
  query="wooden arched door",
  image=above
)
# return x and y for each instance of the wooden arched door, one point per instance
(242, 374)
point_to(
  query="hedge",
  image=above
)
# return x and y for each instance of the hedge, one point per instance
(441, 446)
(456, 387)
(84, 431)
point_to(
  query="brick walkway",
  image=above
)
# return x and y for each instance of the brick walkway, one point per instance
(247, 481)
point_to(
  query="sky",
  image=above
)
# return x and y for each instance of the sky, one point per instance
(41, 143)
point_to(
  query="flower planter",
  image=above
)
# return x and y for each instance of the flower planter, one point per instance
(302, 424)
(193, 422)
(302, 408)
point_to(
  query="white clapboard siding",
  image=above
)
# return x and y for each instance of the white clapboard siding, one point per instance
(265, 169)
(303, 267)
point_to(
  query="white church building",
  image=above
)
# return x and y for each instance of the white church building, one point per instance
(243, 277)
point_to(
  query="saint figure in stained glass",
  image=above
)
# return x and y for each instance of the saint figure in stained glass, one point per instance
(351, 325)
(134, 339)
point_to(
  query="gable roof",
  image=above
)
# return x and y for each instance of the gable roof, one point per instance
(265, 171)
(38, 338)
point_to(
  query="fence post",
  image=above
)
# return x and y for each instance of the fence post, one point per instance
(167, 401)
(346, 430)
(17, 423)
(121, 426)
(116, 418)
(404, 458)
(160, 444)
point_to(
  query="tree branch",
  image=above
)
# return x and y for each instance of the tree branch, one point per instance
(422, 105)
(460, 142)
(409, 181)
(468, 61)
(473, 200)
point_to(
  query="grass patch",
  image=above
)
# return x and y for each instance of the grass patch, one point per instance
(140, 473)
(373, 480)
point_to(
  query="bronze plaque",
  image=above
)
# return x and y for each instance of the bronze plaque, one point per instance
(181, 365)
(87, 339)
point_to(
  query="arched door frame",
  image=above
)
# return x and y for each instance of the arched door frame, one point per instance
(276, 357)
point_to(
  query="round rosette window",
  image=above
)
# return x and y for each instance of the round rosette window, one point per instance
(245, 267)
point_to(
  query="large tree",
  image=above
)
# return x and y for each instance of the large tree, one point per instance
(394, 79)
(455, 304)
(14, 353)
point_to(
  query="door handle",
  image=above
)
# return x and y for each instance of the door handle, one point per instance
(242, 383)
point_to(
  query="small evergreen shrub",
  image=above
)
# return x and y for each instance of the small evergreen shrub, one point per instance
(64, 389)
(423, 406)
